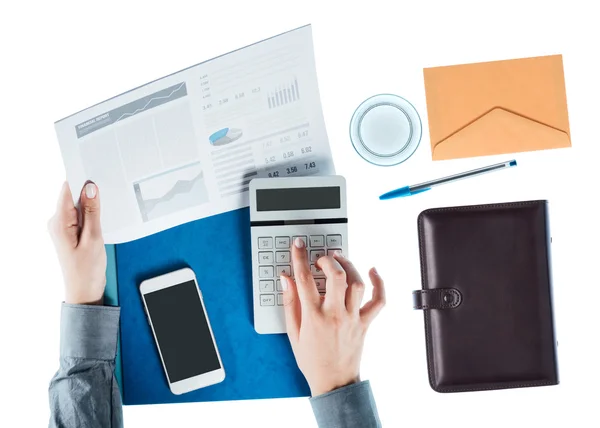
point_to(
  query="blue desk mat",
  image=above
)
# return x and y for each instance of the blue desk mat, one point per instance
(218, 250)
(111, 298)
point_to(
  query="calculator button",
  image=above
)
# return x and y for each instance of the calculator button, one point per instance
(267, 300)
(301, 237)
(316, 271)
(280, 299)
(283, 256)
(265, 243)
(279, 287)
(320, 284)
(315, 254)
(266, 286)
(334, 240)
(282, 242)
(317, 241)
(331, 251)
(284, 270)
(265, 271)
(265, 258)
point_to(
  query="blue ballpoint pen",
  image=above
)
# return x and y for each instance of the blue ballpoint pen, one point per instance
(419, 188)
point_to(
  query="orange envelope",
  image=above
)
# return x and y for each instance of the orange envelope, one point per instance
(492, 108)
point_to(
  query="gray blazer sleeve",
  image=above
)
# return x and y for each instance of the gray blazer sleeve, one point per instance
(352, 406)
(84, 392)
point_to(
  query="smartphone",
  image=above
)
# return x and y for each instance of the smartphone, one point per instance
(186, 344)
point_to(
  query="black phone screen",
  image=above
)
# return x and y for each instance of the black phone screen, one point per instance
(182, 331)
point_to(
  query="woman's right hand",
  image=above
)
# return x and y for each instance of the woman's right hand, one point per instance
(327, 333)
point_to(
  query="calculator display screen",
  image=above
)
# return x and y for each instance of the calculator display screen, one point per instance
(301, 198)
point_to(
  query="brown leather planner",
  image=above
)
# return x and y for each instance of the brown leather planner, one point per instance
(487, 296)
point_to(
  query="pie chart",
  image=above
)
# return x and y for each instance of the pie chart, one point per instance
(225, 136)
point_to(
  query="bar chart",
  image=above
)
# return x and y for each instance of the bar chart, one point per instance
(284, 94)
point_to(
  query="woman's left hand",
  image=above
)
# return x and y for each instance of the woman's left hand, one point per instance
(78, 241)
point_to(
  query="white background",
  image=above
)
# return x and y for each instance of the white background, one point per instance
(59, 57)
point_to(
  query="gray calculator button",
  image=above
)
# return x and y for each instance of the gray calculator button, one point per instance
(334, 240)
(265, 271)
(301, 237)
(279, 287)
(265, 258)
(331, 251)
(280, 299)
(317, 241)
(314, 269)
(267, 300)
(315, 254)
(265, 243)
(282, 242)
(266, 286)
(283, 256)
(284, 270)
(320, 284)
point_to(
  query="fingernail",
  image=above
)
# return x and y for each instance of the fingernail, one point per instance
(299, 243)
(90, 190)
(338, 253)
(375, 271)
(284, 283)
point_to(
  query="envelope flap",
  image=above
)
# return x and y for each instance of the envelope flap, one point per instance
(500, 131)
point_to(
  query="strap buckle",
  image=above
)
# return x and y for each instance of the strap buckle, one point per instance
(438, 298)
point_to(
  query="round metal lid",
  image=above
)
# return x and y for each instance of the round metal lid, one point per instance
(385, 129)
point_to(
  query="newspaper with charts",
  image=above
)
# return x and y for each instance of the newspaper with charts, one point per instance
(186, 146)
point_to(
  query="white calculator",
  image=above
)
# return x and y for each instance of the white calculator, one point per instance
(282, 209)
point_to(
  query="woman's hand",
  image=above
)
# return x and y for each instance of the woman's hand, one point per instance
(327, 333)
(78, 241)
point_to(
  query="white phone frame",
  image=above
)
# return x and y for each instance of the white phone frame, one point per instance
(174, 279)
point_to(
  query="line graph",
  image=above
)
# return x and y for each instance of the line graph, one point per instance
(171, 191)
(180, 187)
(153, 98)
(131, 109)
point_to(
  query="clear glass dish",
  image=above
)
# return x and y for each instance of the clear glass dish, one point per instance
(385, 129)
